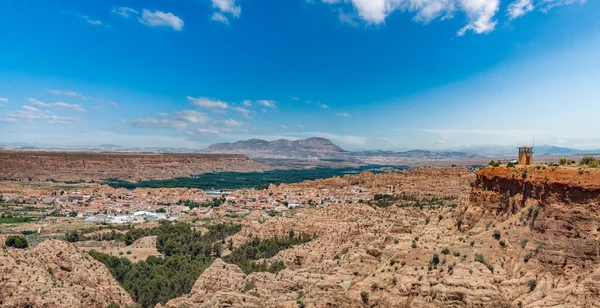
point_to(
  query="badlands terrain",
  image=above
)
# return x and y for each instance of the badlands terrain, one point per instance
(502, 237)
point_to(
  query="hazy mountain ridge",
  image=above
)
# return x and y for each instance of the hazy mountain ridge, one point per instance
(309, 148)
(318, 145)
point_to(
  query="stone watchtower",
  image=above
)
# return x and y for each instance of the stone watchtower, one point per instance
(525, 155)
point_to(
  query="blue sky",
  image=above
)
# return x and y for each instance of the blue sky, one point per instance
(387, 74)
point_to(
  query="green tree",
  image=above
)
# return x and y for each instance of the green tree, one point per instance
(16, 241)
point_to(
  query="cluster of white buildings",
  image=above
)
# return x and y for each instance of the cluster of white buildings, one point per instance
(137, 217)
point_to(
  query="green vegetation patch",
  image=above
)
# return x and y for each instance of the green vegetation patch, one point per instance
(256, 249)
(239, 180)
(187, 253)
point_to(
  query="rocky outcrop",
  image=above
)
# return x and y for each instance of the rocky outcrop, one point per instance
(97, 166)
(56, 274)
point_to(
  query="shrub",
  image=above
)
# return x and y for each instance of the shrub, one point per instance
(496, 235)
(502, 243)
(494, 164)
(490, 267)
(446, 251)
(435, 260)
(524, 174)
(457, 254)
(527, 257)
(532, 284)
(364, 296)
(479, 258)
(374, 287)
(16, 241)
(128, 252)
(564, 161)
(414, 245)
(524, 242)
(589, 161)
(510, 164)
(472, 243)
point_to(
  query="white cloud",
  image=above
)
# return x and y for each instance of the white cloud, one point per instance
(324, 106)
(267, 103)
(89, 20)
(69, 93)
(347, 19)
(243, 111)
(30, 109)
(227, 6)
(178, 120)
(203, 102)
(343, 114)
(125, 11)
(161, 19)
(232, 123)
(70, 106)
(207, 131)
(28, 113)
(294, 98)
(75, 107)
(247, 103)
(218, 17)
(115, 105)
(3, 100)
(519, 8)
(479, 13)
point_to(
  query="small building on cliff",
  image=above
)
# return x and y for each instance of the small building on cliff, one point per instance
(525, 155)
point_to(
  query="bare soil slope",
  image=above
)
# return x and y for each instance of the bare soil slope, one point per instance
(56, 274)
(95, 166)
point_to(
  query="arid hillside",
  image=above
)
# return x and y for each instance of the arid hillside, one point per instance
(504, 237)
(56, 274)
(464, 252)
(70, 166)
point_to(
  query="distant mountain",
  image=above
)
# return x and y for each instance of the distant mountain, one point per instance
(495, 150)
(279, 148)
(419, 154)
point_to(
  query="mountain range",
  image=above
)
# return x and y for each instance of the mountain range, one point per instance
(318, 148)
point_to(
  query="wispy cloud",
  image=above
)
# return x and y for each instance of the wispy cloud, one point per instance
(267, 103)
(3, 100)
(218, 17)
(247, 103)
(232, 123)
(29, 113)
(519, 8)
(75, 107)
(347, 19)
(207, 103)
(294, 98)
(89, 20)
(324, 106)
(115, 105)
(480, 14)
(124, 11)
(178, 120)
(161, 19)
(243, 111)
(207, 131)
(227, 6)
(343, 114)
